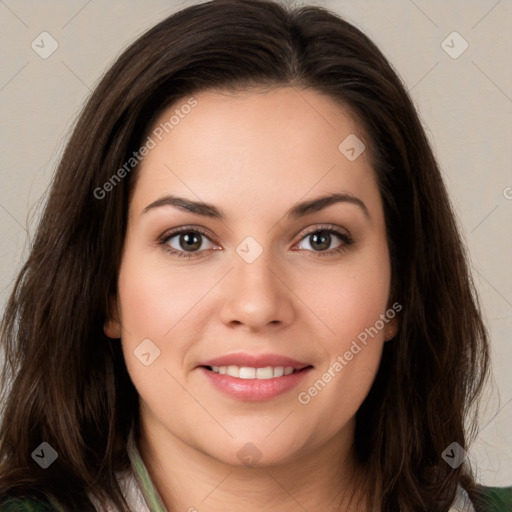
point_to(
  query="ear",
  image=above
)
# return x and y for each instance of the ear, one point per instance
(112, 325)
(393, 323)
(391, 329)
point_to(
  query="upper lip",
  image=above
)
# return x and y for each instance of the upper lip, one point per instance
(254, 361)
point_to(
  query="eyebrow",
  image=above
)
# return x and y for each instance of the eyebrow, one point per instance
(299, 210)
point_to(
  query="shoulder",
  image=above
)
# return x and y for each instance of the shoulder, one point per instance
(495, 499)
(26, 504)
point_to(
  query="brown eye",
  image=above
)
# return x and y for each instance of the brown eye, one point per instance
(321, 239)
(185, 242)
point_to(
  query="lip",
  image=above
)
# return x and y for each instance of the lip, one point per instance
(254, 390)
(255, 361)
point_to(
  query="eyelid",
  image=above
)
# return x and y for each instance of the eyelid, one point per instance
(325, 227)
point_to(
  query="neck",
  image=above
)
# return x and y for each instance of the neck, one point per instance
(188, 479)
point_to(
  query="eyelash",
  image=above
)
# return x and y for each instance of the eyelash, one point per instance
(345, 238)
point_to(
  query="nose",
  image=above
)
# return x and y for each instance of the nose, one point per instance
(257, 294)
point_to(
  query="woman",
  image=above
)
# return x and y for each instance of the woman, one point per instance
(247, 290)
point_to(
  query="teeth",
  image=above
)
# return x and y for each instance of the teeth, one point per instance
(278, 371)
(245, 372)
(265, 373)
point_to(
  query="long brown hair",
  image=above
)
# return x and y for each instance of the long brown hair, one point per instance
(66, 383)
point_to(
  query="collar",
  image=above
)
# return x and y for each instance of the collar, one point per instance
(136, 485)
(140, 484)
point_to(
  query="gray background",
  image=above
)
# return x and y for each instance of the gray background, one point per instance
(464, 102)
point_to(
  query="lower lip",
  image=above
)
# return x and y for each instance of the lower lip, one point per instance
(255, 389)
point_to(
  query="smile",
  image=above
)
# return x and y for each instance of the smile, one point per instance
(250, 388)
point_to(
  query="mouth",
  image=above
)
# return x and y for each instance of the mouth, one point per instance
(251, 377)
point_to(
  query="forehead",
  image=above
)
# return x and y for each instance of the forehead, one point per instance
(284, 115)
(259, 143)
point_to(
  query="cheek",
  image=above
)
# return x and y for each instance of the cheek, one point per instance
(148, 310)
(351, 358)
(351, 301)
(161, 305)
(152, 311)
(349, 298)
(153, 300)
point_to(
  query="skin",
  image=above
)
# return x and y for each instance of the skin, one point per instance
(253, 154)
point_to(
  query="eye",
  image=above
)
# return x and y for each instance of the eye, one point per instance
(321, 237)
(184, 242)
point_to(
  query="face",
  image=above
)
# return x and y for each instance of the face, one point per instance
(253, 328)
